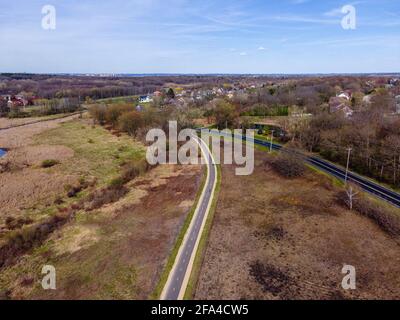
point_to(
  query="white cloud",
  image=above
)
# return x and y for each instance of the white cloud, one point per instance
(334, 12)
(261, 48)
(243, 53)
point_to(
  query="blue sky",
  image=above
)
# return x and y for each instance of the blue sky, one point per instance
(193, 36)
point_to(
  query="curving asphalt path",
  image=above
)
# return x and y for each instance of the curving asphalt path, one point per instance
(180, 273)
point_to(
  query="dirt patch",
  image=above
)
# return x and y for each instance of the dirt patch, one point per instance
(6, 122)
(35, 155)
(22, 136)
(76, 237)
(271, 279)
(279, 238)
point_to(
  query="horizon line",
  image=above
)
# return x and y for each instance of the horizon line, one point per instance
(197, 74)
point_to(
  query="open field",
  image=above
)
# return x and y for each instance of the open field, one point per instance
(21, 136)
(115, 234)
(279, 238)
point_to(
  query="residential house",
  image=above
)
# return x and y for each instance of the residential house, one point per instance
(341, 104)
(230, 94)
(13, 102)
(145, 99)
(6, 97)
(344, 95)
(22, 99)
(394, 81)
(367, 99)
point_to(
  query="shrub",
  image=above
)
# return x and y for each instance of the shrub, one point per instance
(74, 190)
(12, 223)
(98, 113)
(116, 182)
(133, 169)
(19, 241)
(58, 200)
(113, 112)
(386, 219)
(107, 195)
(130, 122)
(289, 165)
(49, 163)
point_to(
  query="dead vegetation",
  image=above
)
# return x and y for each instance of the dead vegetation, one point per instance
(25, 238)
(289, 165)
(22, 239)
(387, 218)
(95, 215)
(270, 278)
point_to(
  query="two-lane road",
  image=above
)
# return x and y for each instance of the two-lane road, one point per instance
(365, 184)
(179, 276)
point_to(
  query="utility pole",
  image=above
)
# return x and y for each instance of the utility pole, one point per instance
(348, 164)
(272, 139)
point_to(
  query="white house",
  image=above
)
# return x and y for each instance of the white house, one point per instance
(145, 99)
(367, 99)
(344, 95)
(337, 104)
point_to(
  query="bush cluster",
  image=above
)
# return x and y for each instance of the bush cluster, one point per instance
(385, 218)
(289, 165)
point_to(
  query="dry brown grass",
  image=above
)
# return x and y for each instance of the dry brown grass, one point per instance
(278, 238)
(22, 136)
(112, 237)
(116, 252)
(29, 188)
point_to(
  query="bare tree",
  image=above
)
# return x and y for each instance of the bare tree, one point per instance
(351, 195)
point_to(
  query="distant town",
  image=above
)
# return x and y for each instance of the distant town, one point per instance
(80, 201)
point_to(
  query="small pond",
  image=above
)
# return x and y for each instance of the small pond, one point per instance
(2, 152)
